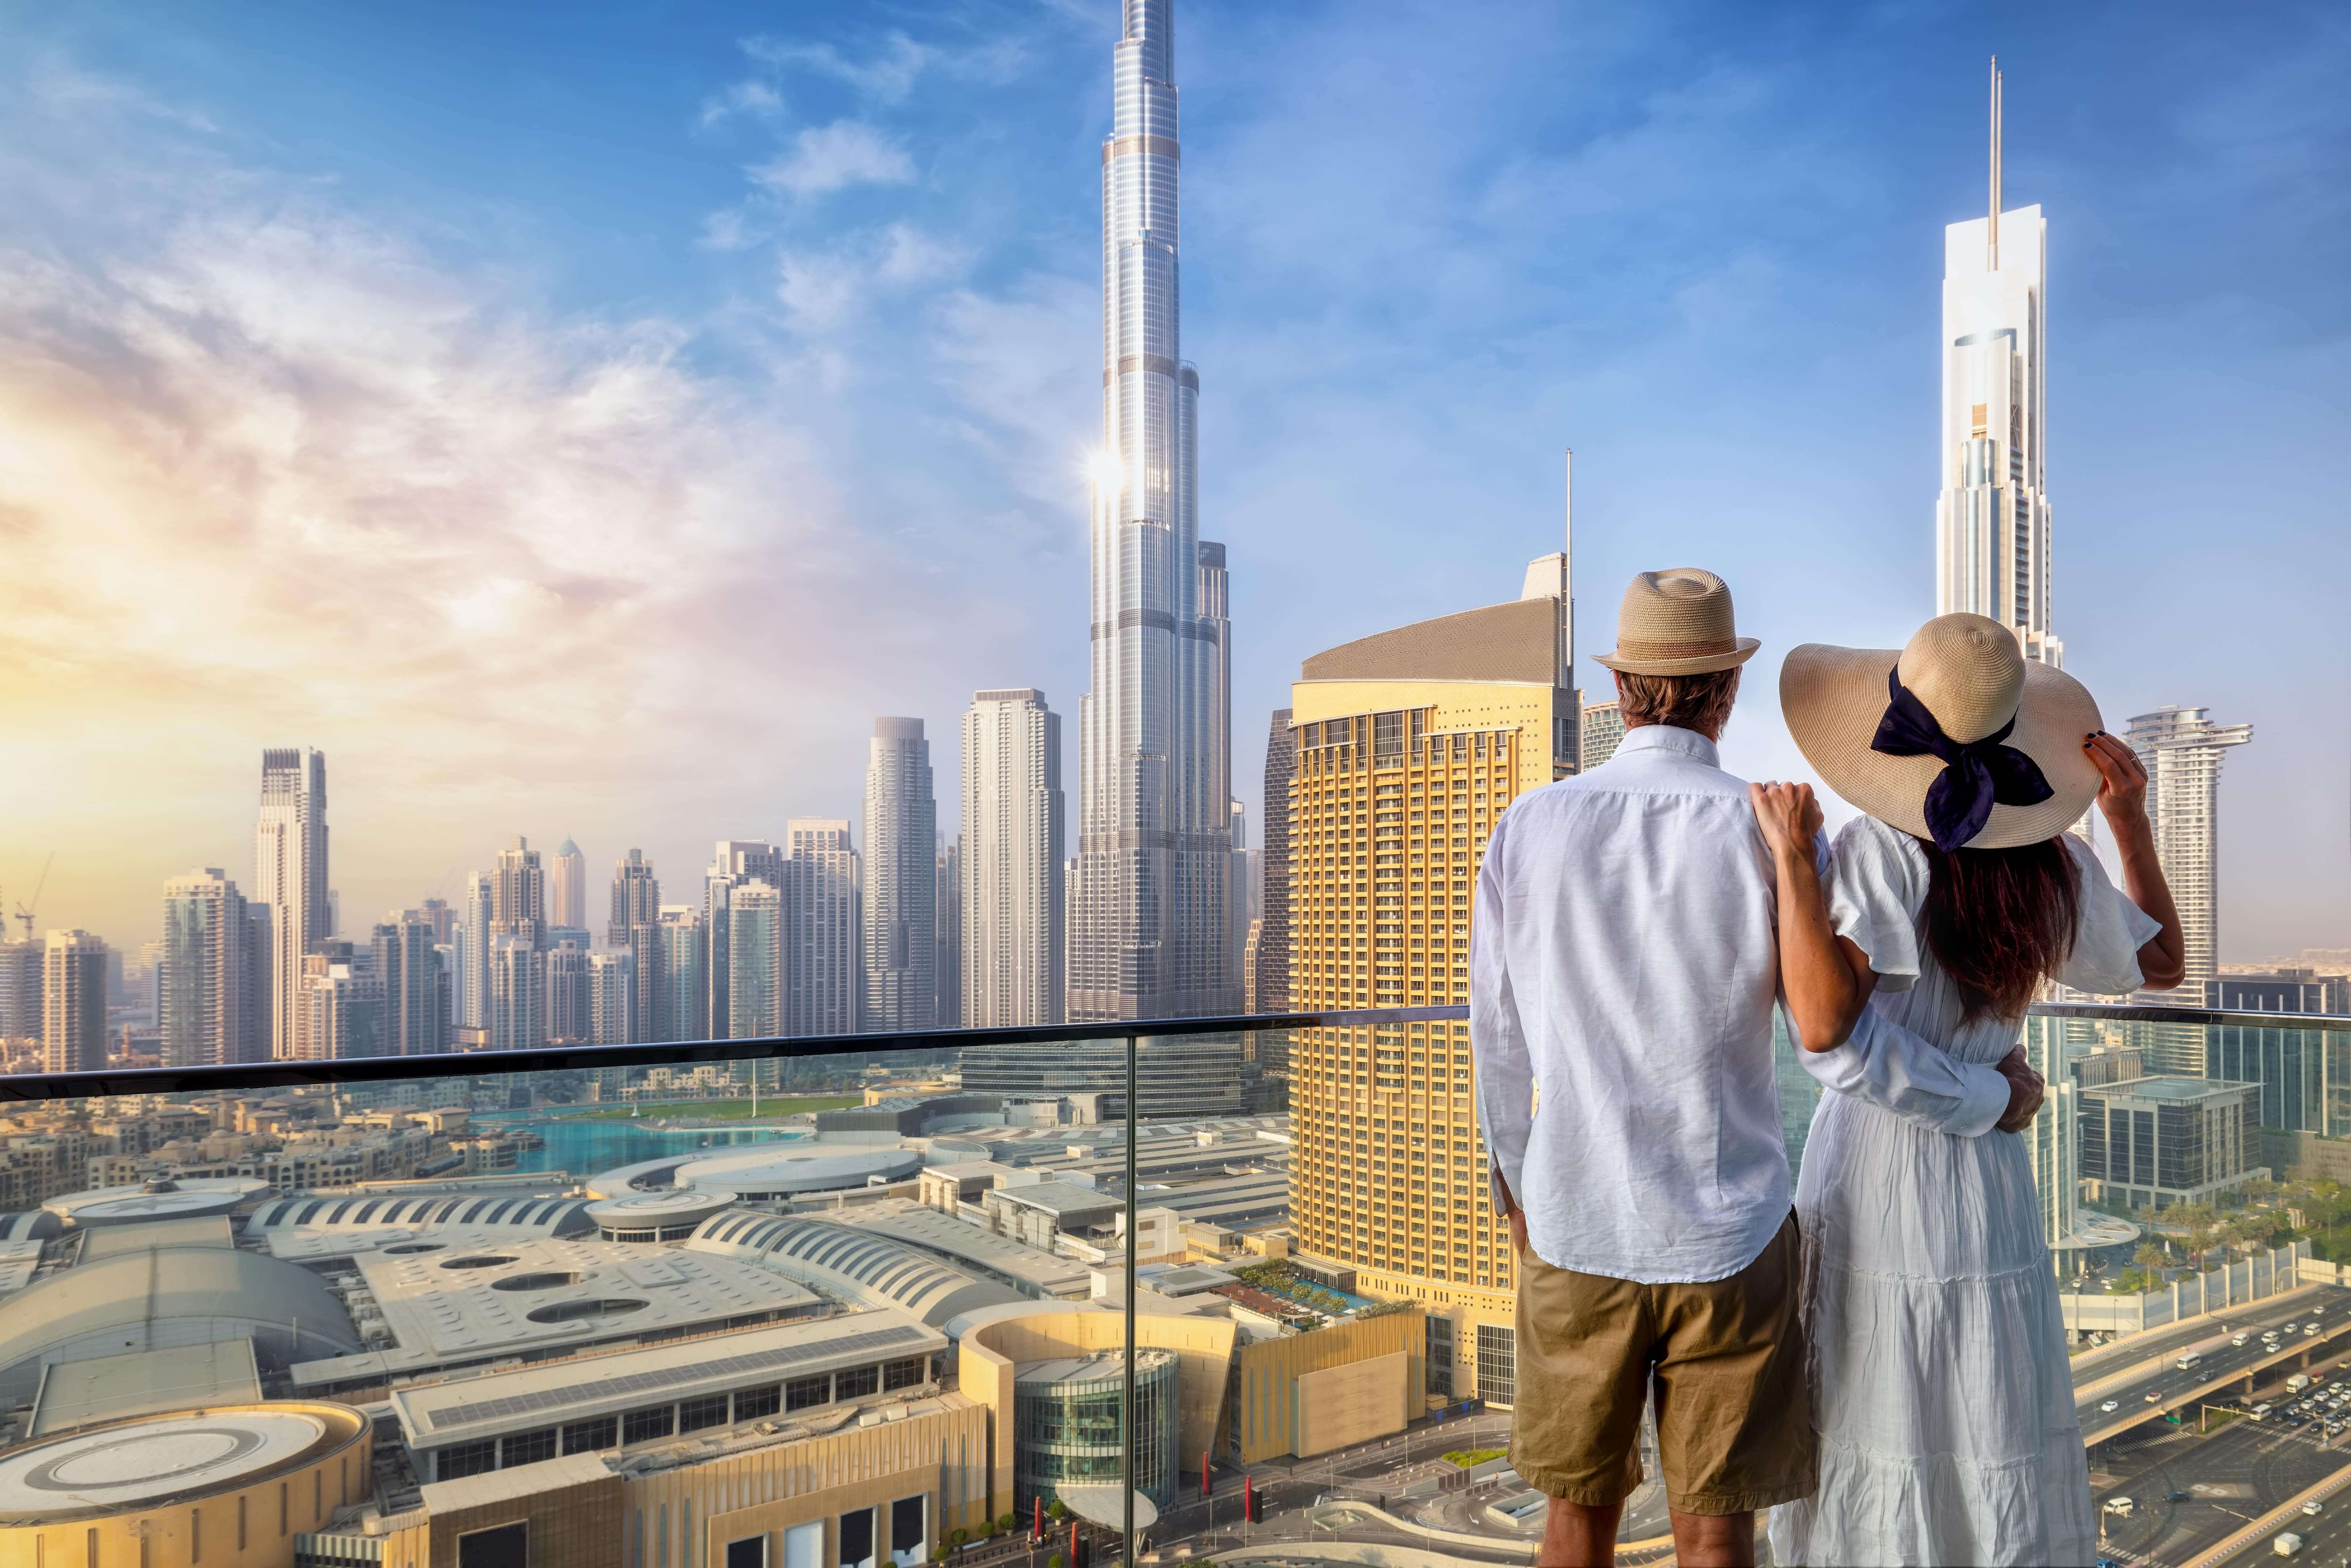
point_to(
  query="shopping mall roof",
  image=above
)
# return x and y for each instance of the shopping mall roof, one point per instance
(456, 1305)
(850, 1263)
(137, 1301)
(421, 1212)
(149, 1463)
(146, 1383)
(160, 1199)
(1016, 1263)
(765, 1171)
(466, 1409)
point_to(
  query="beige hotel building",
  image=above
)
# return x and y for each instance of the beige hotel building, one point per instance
(1410, 745)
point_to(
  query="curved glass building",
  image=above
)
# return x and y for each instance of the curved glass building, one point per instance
(1067, 1431)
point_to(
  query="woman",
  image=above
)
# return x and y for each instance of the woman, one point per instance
(1941, 1392)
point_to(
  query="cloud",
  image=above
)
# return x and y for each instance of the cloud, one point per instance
(833, 158)
(822, 289)
(754, 98)
(887, 76)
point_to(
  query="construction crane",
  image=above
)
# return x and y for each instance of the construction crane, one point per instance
(24, 911)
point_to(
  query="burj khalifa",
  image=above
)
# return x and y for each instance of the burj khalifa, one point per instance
(1147, 930)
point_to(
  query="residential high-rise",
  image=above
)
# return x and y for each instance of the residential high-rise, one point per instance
(1410, 746)
(1147, 937)
(211, 1014)
(755, 961)
(1992, 544)
(1013, 812)
(2180, 747)
(436, 913)
(681, 988)
(1603, 727)
(416, 989)
(20, 991)
(73, 1002)
(822, 928)
(733, 863)
(566, 887)
(568, 994)
(636, 897)
(1273, 934)
(1240, 890)
(900, 925)
(476, 936)
(518, 894)
(289, 875)
(613, 999)
(947, 967)
(342, 1004)
(517, 993)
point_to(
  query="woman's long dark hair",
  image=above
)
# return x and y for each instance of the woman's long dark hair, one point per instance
(2001, 921)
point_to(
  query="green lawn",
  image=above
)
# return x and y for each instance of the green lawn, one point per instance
(724, 1110)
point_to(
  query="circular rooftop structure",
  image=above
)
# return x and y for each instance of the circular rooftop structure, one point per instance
(155, 1200)
(757, 1172)
(155, 1461)
(670, 1214)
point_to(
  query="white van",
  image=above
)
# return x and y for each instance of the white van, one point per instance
(2286, 1545)
(2185, 1362)
(2259, 1412)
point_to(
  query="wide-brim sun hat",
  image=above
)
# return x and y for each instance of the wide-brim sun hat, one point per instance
(1955, 738)
(1676, 622)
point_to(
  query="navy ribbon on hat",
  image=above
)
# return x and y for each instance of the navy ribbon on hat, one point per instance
(1977, 774)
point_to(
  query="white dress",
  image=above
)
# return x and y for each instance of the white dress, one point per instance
(1941, 1386)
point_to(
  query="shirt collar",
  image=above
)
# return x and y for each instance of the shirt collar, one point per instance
(1665, 737)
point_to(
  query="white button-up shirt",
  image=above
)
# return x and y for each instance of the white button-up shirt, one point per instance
(1624, 967)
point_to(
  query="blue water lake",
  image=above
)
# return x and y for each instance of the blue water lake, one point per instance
(582, 1146)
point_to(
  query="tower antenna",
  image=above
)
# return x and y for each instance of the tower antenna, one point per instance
(1567, 541)
(1992, 230)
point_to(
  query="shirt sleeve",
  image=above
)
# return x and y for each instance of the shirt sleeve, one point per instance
(2112, 929)
(1497, 1044)
(1902, 1072)
(1876, 885)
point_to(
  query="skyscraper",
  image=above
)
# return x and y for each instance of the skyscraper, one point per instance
(568, 994)
(2181, 748)
(518, 894)
(517, 993)
(20, 991)
(822, 928)
(342, 1004)
(1013, 812)
(1410, 746)
(73, 1003)
(734, 863)
(1603, 730)
(613, 1007)
(289, 875)
(415, 990)
(1147, 937)
(1273, 934)
(755, 961)
(636, 897)
(1992, 545)
(680, 1006)
(211, 1012)
(901, 887)
(566, 887)
(476, 936)
(946, 968)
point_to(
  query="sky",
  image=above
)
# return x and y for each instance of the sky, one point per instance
(585, 419)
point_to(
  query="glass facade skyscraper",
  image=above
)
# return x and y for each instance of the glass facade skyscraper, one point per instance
(1147, 937)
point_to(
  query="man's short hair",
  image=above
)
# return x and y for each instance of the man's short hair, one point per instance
(1701, 703)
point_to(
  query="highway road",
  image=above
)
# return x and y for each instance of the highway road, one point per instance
(2230, 1479)
(2219, 1374)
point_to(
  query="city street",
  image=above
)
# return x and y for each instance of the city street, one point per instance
(2127, 1384)
(2230, 1479)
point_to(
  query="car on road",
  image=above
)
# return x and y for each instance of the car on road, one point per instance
(2259, 1412)
(2237, 1339)
(2185, 1362)
(2286, 1545)
(2153, 1394)
(2177, 1497)
(2110, 1407)
(2120, 1507)
(2314, 1508)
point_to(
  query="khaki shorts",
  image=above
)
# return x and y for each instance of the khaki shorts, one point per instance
(1725, 1360)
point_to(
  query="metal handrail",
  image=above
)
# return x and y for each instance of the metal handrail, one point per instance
(39, 1086)
(655, 1054)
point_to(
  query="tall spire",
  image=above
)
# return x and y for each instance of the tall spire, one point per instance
(1991, 229)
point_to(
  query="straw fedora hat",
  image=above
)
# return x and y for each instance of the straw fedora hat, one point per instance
(1955, 738)
(1676, 623)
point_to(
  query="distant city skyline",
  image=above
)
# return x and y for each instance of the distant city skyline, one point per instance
(586, 540)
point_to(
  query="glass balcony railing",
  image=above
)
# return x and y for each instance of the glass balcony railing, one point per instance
(835, 1299)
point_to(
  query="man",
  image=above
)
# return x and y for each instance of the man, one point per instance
(1623, 969)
